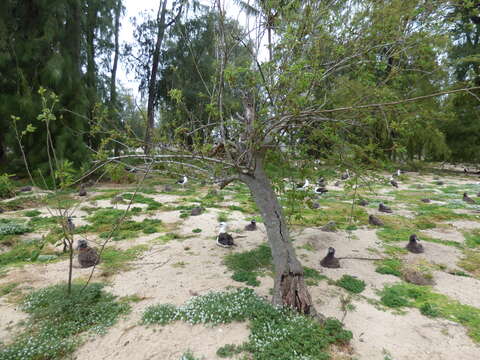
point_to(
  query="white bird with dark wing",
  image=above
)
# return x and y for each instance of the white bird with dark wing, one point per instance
(393, 182)
(224, 239)
(304, 185)
(320, 190)
(346, 175)
(182, 181)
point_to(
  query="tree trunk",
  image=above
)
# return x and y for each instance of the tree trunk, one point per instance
(289, 287)
(113, 77)
(162, 10)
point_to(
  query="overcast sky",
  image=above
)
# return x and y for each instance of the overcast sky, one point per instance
(135, 7)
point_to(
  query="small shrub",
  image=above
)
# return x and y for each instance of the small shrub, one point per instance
(246, 266)
(7, 187)
(229, 350)
(390, 267)
(160, 314)
(351, 284)
(430, 310)
(32, 213)
(13, 228)
(197, 230)
(117, 174)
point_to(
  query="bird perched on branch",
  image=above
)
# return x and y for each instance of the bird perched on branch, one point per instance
(224, 239)
(87, 256)
(252, 226)
(413, 246)
(468, 199)
(330, 261)
(384, 208)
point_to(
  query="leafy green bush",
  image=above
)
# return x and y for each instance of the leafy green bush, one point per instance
(429, 309)
(276, 333)
(13, 228)
(351, 284)
(7, 187)
(57, 319)
(390, 267)
(32, 213)
(117, 174)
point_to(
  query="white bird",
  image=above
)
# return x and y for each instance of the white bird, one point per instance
(183, 180)
(320, 190)
(224, 239)
(399, 172)
(304, 186)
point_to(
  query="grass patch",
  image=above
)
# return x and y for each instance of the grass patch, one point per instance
(57, 321)
(246, 266)
(140, 199)
(114, 260)
(471, 262)
(351, 284)
(21, 253)
(433, 304)
(8, 288)
(312, 276)
(390, 267)
(31, 213)
(472, 238)
(389, 234)
(276, 333)
(222, 217)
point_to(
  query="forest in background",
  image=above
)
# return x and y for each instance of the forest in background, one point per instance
(383, 52)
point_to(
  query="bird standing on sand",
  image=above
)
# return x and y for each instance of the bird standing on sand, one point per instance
(384, 208)
(346, 175)
(197, 210)
(182, 181)
(393, 182)
(413, 246)
(468, 199)
(82, 191)
(320, 190)
(330, 261)
(373, 220)
(224, 239)
(252, 226)
(87, 256)
(304, 185)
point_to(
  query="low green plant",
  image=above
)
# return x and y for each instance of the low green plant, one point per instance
(222, 217)
(351, 284)
(115, 260)
(13, 228)
(197, 230)
(390, 267)
(276, 333)
(246, 266)
(140, 199)
(7, 187)
(57, 321)
(31, 213)
(7, 288)
(117, 174)
(432, 304)
(229, 350)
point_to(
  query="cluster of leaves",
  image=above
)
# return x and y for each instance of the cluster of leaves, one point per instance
(276, 333)
(57, 321)
(7, 187)
(432, 304)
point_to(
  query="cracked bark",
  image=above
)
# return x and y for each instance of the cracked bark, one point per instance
(289, 287)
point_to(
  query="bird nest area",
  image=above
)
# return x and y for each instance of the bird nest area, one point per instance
(175, 292)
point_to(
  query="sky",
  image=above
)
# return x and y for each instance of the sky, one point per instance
(135, 7)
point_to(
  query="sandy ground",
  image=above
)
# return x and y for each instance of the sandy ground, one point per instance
(176, 271)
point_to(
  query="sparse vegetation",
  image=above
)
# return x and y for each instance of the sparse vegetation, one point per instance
(351, 283)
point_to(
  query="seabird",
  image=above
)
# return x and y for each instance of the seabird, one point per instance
(426, 200)
(330, 261)
(393, 182)
(337, 183)
(440, 183)
(383, 208)
(82, 191)
(363, 202)
(468, 199)
(373, 220)
(413, 246)
(346, 175)
(224, 239)
(315, 205)
(26, 189)
(197, 210)
(183, 180)
(87, 256)
(320, 190)
(321, 180)
(252, 226)
(304, 185)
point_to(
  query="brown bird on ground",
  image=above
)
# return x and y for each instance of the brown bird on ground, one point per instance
(26, 189)
(252, 226)
(330, 261)
(468, 199)
(384, 208)
(82, 191)
(373, 220)
(224, 239)
(87, 256)
(363, 202)
(426, 200)
(413, 246)
(197, 210)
